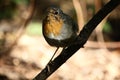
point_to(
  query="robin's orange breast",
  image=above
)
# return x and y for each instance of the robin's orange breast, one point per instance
(59, 29)
(52, 26)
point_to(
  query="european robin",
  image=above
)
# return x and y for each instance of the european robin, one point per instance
(59, 29)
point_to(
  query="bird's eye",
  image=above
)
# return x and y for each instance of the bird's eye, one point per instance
(56, 13)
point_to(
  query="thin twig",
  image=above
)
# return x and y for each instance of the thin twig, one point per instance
(99, 33)
(109, 45)
(79, 13)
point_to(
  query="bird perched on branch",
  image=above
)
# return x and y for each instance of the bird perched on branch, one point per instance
(59, 29)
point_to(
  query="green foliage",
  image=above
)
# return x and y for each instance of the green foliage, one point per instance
(107, 28)
(18, 2)
(8, 7)
(34, 28)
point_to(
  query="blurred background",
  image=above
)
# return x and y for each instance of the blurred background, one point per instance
(24, 52)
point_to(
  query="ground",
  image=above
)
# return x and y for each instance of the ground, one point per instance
(32, 53)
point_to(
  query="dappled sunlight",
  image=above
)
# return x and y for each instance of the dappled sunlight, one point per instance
(85, 64)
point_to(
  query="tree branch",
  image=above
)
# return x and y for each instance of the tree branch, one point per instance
(82, 38)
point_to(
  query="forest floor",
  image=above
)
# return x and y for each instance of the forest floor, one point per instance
(32, 53)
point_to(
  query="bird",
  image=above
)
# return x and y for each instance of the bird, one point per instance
(58, 28)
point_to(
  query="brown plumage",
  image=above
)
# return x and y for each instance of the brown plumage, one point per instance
(59, 29)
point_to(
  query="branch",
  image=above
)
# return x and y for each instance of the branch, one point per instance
(94, 44)
(82, 38)
(79, 13)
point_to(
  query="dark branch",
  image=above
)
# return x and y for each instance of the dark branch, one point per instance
(82, 38)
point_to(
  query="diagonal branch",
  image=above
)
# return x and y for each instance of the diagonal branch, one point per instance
(82, 38)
